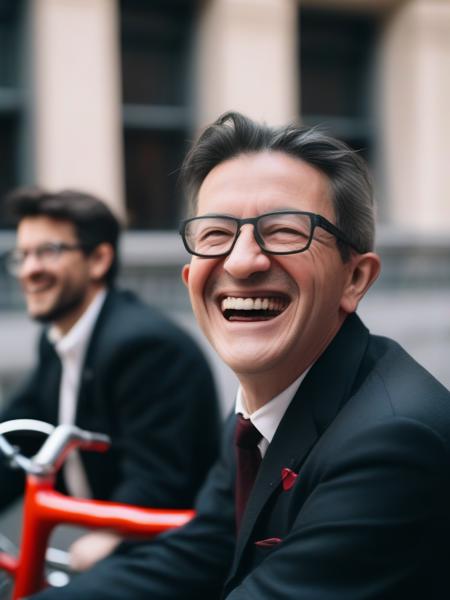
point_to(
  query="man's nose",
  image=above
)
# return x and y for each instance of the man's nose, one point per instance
(246, 257)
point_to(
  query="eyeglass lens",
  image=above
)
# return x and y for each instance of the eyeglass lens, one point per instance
(283, 232)
(45, 253)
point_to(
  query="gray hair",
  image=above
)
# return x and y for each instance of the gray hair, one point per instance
(233, 134)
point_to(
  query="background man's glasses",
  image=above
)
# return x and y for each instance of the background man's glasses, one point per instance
(47, 254)
(284, 232)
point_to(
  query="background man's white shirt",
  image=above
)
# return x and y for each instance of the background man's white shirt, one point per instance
(71, 349)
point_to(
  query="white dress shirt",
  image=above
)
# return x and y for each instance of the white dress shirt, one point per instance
(71, 349)
(267, 418)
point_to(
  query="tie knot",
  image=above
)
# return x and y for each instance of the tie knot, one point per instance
(247, 436)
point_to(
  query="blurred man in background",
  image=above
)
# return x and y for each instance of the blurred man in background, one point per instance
(107, 363)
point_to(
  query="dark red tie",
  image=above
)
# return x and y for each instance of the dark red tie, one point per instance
(248, 459)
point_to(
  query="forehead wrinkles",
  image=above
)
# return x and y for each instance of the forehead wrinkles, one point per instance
(265, 182)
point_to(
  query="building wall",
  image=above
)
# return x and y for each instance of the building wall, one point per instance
(246, 57)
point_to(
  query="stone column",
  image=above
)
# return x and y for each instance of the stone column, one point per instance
(247, 59)
(415, 99)
(77, 97)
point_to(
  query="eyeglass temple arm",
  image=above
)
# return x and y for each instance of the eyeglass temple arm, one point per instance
(325, 224)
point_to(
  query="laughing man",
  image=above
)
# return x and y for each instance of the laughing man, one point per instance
(334, 479)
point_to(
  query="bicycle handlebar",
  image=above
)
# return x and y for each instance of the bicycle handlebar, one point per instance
(61, 440)
(44, 508)
(32, 425)
(64, 440)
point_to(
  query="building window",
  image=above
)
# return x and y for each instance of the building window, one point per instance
(337, 74)
(10, 97)
(155, 43)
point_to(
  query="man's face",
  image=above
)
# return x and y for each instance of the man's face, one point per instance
(305, 291)
(60, 290)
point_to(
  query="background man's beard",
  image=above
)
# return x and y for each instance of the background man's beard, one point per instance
(62, 309)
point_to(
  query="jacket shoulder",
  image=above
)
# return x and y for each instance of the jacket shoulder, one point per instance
(127, 323)
(395, 385)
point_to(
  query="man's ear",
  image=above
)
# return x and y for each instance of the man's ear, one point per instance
(101, 259)
(363, 270)
(185, 275)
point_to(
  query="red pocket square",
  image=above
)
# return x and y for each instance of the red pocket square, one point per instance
(288, 478)
(268, 543)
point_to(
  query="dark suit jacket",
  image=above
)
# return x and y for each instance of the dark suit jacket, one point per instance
(367, 517)
(144, 383)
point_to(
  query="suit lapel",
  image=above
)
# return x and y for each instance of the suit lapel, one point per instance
(92, 354)
(325, 389)
(50, 384)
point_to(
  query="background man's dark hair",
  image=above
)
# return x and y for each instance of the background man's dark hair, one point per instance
(93, 221)
(233, 134)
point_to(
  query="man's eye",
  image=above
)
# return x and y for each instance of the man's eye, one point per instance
(286, 232)
(215, 234)
(46, 251)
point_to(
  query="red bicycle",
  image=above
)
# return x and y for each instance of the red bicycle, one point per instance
(45, 508)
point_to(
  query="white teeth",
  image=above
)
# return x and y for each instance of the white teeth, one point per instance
(232, 303)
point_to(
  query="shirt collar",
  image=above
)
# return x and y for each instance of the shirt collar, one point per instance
(76, 339)
(267, 418)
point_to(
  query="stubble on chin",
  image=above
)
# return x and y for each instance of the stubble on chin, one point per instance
(59, 310)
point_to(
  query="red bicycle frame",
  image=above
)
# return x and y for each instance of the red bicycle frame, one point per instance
(45, 508)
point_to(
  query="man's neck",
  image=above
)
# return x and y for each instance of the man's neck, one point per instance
(65, 324)
(260, 387)
(258, 391)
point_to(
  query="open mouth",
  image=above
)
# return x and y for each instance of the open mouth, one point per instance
(253, 309)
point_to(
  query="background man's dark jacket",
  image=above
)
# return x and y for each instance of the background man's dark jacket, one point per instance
(367, 515)
(144, 383)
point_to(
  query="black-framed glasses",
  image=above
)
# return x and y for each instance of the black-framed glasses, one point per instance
(283, 232)
(47, 254)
